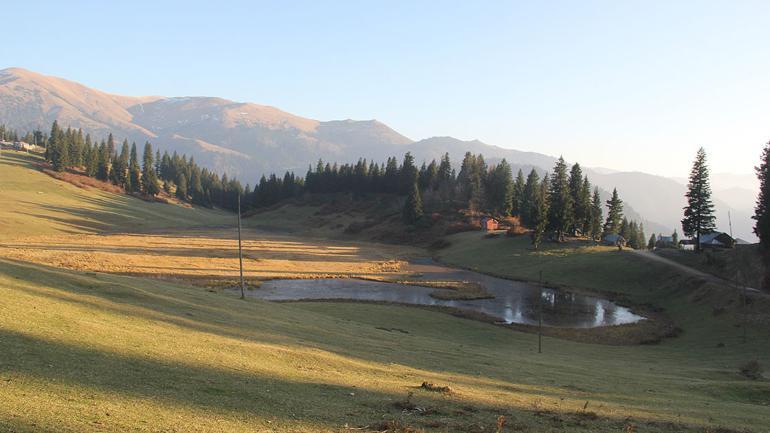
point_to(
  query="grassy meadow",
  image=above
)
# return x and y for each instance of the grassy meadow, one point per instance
(33, 203)
(101, 331)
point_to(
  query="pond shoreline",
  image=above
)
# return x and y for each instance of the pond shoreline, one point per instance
(650, 328)
(652, 331)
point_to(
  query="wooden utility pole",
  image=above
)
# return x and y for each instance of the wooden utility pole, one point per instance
(240, 249)
(540, 317)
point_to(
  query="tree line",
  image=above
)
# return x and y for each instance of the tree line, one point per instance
(564, 203)
(176, 174)
(11, 135)
(561, 204)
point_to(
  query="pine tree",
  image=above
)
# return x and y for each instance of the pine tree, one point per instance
(699, 216)
(58, 148)
(102, 162)
(412, 211)
(517, 194)
(580, 197)
(407, 174)
(539, 212)
(584, 197)
(92, 161)
(110, 146)
(500, 189)
(633, 235)
(560, 217)
(134, 172)
(445, 179)
(531, 189)
(640, 237)
(149, 177)
(195, 188)
(614, 214)
(471, 179)
(596, 215)
(651, 242)
(120, 167)
(762, 212)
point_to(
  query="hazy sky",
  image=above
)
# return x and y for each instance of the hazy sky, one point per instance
(632, 85)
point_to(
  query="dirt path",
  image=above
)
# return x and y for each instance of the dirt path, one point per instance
(688, 270)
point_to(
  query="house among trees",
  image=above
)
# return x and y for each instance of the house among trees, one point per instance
(711, 240)
(665, 242)
(18, 145)
(489, 224)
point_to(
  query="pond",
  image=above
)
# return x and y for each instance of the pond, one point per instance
(513, 302)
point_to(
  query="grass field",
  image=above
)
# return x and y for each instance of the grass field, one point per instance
(33, 203)
(85, 350)
(209, 257)
(690, 302)
(110, 353)
(742, 265)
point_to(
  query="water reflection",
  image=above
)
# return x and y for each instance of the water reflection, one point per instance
(514, 302)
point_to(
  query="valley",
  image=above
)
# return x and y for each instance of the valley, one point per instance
(93, 283)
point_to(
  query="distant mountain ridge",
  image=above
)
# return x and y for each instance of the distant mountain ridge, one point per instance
(247, 140)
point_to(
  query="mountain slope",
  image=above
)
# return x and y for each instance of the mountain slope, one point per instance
(243, 139)
(247, 140)
(31, 100)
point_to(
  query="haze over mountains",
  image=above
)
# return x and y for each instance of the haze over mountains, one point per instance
(248, 140)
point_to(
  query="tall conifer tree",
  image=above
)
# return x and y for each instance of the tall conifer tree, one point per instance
(412, 211)
(614, 214)
(149, 178)
(762, 212)
(531, 188)
(518, 194)
(699, 218)
(596, 215)
(134, 171)
(560, 217)
(539, 211)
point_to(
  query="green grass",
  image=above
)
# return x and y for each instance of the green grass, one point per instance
(742, 265)
(33, 203)
(85, 351)
(107, 353)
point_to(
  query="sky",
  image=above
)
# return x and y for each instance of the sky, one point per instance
(632, 85)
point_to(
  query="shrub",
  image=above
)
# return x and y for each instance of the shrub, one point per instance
(752, 369)
(436, 388)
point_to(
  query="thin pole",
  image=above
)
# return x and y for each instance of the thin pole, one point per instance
(737, 277)
(745, 313)
(540, 317)
(240, 249)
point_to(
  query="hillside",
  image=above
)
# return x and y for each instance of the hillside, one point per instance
(33, 203)
(82, 348)
(242, 139)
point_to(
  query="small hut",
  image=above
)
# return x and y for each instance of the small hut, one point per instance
(489, 224)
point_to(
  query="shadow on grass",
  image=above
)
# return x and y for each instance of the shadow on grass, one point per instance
(232, 390)
(84, 370)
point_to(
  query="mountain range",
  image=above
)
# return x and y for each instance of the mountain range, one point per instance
(247, 140)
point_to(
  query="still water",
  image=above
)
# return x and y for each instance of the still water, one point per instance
(514, 302)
